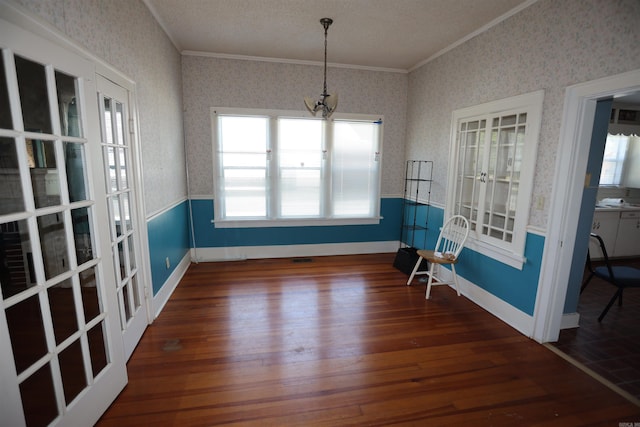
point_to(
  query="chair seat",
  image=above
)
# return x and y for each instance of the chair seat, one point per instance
(621, 276)
(628, 277)
(448, 247)
(431, 256)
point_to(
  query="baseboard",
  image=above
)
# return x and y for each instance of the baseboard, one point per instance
(161, 298)
(289, 251)
(570, 320)
(504, 311)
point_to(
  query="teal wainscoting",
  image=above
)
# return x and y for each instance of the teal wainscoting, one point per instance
(168, 238)
(208, 236)
(516, 287)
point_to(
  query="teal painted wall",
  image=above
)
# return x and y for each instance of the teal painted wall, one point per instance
(594, 166)
(208, 236)
(168, 237)
(516, 287)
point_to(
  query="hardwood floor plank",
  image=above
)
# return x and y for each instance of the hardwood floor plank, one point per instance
(341, 341)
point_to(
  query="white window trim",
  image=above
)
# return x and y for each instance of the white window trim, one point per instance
(291, 222)
(513, 255)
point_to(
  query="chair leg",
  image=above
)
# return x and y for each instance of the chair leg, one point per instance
(455, 278)
(415, 270)
(430, 281)
(586, 282)
(611, 301)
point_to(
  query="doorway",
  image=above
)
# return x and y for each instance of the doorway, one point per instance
(569, 179)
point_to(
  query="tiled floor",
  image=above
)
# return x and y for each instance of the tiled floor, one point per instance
(610, 348)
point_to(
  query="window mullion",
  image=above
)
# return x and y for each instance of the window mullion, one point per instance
(273, 170)
(326, 208)
(484, 170)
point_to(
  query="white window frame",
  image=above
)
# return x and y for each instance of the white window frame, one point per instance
(510, 253)
(274, 221)
(619, 161)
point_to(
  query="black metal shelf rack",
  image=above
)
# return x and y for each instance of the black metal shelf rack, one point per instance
(417, 193)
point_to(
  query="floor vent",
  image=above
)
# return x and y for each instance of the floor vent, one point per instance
(302, 260)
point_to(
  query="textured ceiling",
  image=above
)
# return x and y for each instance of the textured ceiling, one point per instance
(381, 34)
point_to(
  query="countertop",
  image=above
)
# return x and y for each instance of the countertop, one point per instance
(624, 207)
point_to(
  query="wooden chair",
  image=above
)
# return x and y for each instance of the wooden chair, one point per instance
(621, 277)
(447, 250)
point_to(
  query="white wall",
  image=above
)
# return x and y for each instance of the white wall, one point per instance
(124, 34)
(550, 45)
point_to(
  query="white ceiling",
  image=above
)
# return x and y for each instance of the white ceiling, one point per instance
(379, 34)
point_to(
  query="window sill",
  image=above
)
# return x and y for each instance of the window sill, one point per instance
(300, 222)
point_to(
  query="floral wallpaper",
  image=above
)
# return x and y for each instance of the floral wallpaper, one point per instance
(124, 34)
(212, 82)
(549, 45)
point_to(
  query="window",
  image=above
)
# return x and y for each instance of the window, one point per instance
(613, 161)
(282, 167)
(491, 173)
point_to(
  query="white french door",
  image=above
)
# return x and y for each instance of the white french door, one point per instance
(62, 360)
(124, 224)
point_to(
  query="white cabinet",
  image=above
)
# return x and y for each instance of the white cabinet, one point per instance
(628, 237)
(620, 230)
(605, 225)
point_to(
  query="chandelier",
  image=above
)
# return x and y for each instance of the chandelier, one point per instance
(328, 101)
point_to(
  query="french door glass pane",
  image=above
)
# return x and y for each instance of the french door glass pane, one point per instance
(97, 349)
(89, 291)
(353, 169)
(43, 168)
(119, 123)
(110, 166)
(32, 85)
(135, 291)
(38, 398)
(15, 249)
(132, 253)
(127, 303)
(126, 222)
(63, 311)
(27, 332)
(75, 164)
(116, 226)
(82, 235)
(67, 105)
(53, 243)
(6, 122)
(121, 261)
(108, 122)
(11, 199)
(74, 379)
(123, 168)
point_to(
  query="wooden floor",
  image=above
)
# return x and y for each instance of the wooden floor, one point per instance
(341, 341)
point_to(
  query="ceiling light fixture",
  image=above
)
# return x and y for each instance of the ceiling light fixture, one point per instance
(327, 102)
